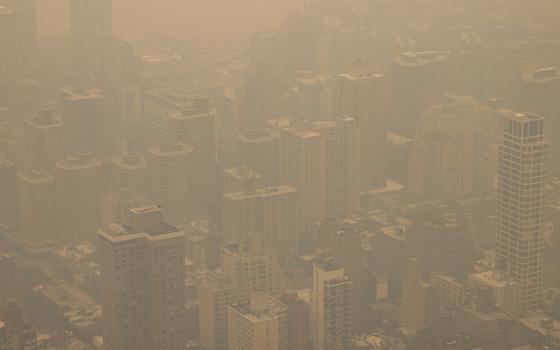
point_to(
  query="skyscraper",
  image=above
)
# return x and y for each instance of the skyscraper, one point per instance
(214, 298)
(321, 160)
(539, 93)
(313, 98)
(363, 96)
(120, 67)
(177, 115)
(259, 151)
(143, 277)
(452, 144)
(78, 196)
(243, 272)
(9, 209)
(416, 310)
(82, 114)
(298, 319)
(442, 244)
(90, 21)
(330, 306)
(251, 271)
(26, 10)
(418, 80)
(170, 179)
(36, 192)
(344, 244)
(11, 53)
(240, 179)
(521, 172)
(268, 217)
(43, 137)
(129, 170)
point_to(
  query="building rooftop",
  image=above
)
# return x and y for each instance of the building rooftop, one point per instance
(541, 323)
(261, 193)
(72, 94)
(541, 75)
(130, 161)
(145, 223)
(37, 175)
(82, 160)
(327, 263)
(65, 295)
(170, 148)
(421, 58)
(242, 173)
(44, 118)
(492, 279)
(5, 10)
(257, 135)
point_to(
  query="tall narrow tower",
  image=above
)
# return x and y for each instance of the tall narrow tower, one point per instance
(521, 173)
(364, 98)
(90, 21)
(43, 137)
(330, 306)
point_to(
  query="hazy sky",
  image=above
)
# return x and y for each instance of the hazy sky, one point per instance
(213, 17)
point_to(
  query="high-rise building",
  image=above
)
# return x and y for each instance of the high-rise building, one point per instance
(82, 114)
(298, 319)
(452, 142)
(78, 196)
(9, 209)
(330, 321)
(418, 80)
(363, 96)
(120, 67)
(267, 217)
(345, 245)
(213, 300)
(178, 115)
(143, 277)
(506, 292)
(11, 52)
(522, 162)
(36, 191)
(26, 10)
(262, 89)
(170, 180)
(240, 179)
(321, 160)
(129, 170)
(259, 324)
(313, 98)
(15, 332)
(90, 21)
(252, 270)
(243, 272)
(439, 167)
(443, 245)
(11, 279)
(259, 151)
(10, 146)
(340, 47)
(119, 202)
(416, 311)
(448, 293)
(539, 93)
(43, 137)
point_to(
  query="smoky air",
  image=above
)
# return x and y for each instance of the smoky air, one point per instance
(279, 175)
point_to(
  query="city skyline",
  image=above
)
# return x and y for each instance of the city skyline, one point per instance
(279, 175)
